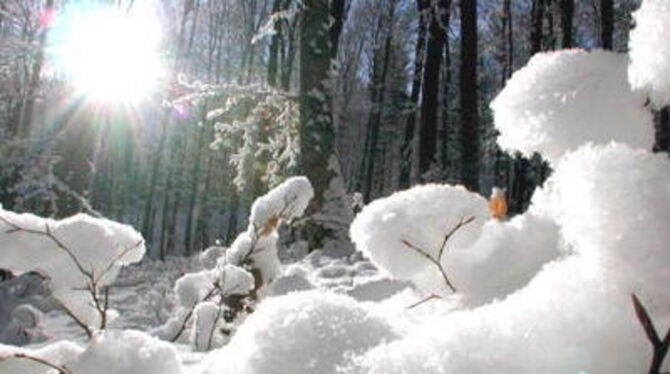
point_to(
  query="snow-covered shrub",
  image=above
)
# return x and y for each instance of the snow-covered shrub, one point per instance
(124, 352)
(303, 332)
(401, 232)
(576, 315)
(484, 259)
(80, 256)
(14, 360)
(561, 100)
(241, 273)
(649, 51)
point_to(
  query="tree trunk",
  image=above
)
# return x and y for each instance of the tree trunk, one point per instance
(318, 160)
(28, 110)
(430, 92)
(662, 141)
(446, 86)
(537, 23)
(410, 126)
(607, 23)
(378, 100)
(469, 97)
(567, 15)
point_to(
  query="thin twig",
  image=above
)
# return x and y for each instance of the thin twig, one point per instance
(433, 261)
(461, 223)
(660, 346)
(190, 313)
(80, 323)
(25, 356)
(438, 261)
(431, 297)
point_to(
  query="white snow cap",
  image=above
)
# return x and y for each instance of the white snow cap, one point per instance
(123, 352)
(420, 217)
(650, 51)
(286, 201)
(561, 100)
(99, 246)
(301, 333)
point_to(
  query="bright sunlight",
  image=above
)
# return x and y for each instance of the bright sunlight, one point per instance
(109, 55)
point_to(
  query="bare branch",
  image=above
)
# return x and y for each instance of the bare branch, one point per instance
(190, 313)
(461, 223)
(25, 356)
(660, 347)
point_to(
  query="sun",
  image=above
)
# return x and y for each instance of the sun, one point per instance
(109, 55)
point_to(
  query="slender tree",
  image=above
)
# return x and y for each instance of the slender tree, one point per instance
(410, 125)
(607, 24)
(567, 15)
(469, 95)
(430, 87)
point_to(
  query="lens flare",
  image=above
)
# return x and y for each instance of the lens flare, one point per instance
(109, 55)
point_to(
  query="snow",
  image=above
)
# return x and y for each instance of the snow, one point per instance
(123, 352)
(306, 332)
(421, 217)
(561, 100)
(649, 52)
(611, 203)
(207, 315)
(56, 353)
(236, 281)
(60, 250)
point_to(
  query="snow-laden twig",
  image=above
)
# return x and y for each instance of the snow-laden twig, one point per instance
(660, 346)
(438, 261)
(24, 356)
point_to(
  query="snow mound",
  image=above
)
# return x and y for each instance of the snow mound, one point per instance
(58, 353)
(561, 100)
(123, 352)
(505, 258)
(304, 332)
(387, 229)
(612, 203)
(650, 52)
(65, 250)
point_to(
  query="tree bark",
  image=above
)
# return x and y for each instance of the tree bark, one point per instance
(318, 160)
(607, 23)
(469, 96)
(567, 15)
(410, 126)
(430, 91)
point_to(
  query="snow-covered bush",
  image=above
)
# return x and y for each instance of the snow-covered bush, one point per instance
(241, 272)
(80, 256)
(123, 352)
(649, 51)
(561, 100)
(304, 332)
(484, 259)
(14, 360)
(576, 315)
(414, 234)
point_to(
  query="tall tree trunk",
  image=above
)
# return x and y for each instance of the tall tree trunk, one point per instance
(28, 110)
(607, 24)
(410, 126)
(567, 15)
(430, 91)
(537, 23)
(273, 54)
(378, 100)
(662, 141)
(469, 97)
(318, 160)
(508, 40)
(446, 91)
